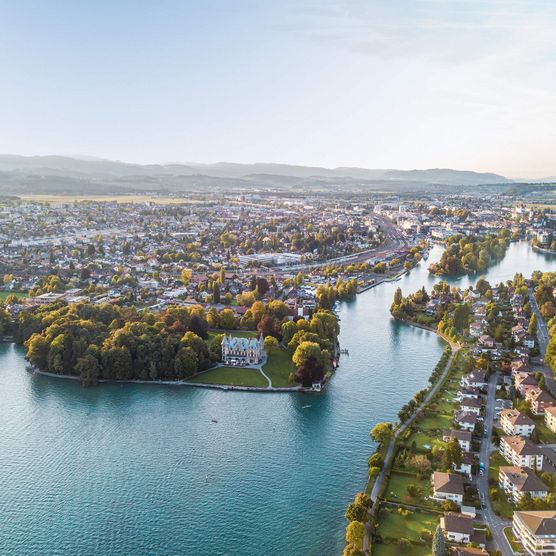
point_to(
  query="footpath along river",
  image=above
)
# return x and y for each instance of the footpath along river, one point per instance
(142, 469)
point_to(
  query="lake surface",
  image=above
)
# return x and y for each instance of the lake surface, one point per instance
(142, 469)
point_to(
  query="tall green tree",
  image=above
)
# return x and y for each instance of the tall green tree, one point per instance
(438, 543)
(382, 433)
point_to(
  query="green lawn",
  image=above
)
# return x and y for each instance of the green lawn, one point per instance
(395, 550)
(435, 421)
(20, 295)
(496, 460)
(514, 543)
(545, 435)
(232, 376)
(396, 491)
(444, 404)
(501, 506)
(422, 439)
(278, 368)
(393, 526)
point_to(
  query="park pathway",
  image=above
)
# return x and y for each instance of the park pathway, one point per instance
(266, 376)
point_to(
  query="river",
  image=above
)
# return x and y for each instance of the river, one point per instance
(142, 469)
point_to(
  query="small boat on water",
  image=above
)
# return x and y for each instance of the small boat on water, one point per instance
(214, 420)
(305, 406)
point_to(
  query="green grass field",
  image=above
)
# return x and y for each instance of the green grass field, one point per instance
(3, 295)
(434, 422)
(546, 436)
(278, 368)
(231, 376)
(424, 441)
(501, 506)
(395, 550)
(517, 547)
(397, 489)
(394, 526)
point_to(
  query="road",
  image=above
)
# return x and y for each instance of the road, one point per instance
(543, 338)
(496, 524)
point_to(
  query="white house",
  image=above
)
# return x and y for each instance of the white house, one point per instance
(516, 481)
(471, 405)
(475, 379)
(536, 530)
(466, 421)
(521, 452)
(457, 527)
(550, 418)
(513, 422)
(465, 465)
(447, 486)
(463, 438)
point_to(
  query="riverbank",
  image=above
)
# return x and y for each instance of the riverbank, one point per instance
(380, 482)
(543, 250)
(430, 329)
(394, 278)
(178, 383)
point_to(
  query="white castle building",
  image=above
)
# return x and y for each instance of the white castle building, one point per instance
(239, 352)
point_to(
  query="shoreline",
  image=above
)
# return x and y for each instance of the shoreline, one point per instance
(543, 250)
(34, 370)
(393, 278)
(224, 387)
(227, 387)
(379, 484)
(430, 329)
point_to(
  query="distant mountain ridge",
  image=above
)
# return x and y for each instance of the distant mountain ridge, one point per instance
(89, 167)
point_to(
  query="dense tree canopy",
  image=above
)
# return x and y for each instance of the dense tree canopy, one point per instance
(468, 255)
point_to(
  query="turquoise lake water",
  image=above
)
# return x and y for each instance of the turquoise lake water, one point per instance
(142, 469)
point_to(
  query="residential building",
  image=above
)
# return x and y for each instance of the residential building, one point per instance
(466, 421)
(486, 341)
(463, 438)
(475, 379)
(539, 400)
(523, 381)
(457, 527)
(471, 405)
(466, 464)
(513, 422)
(550, 418)
(521, 451)
(517, 481)
(447, 486)
(467, 551)
(536, 530)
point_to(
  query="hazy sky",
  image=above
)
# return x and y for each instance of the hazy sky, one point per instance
(465, 84)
